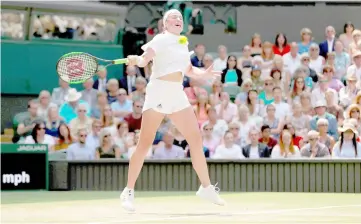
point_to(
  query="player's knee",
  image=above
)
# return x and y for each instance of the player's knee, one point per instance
(145, 142)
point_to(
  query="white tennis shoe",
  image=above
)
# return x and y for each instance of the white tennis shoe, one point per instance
(127, 199)
(211, 194)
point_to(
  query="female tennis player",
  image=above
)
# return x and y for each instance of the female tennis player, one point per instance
(165, 96)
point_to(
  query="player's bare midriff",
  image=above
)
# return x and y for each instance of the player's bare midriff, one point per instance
(172, 77)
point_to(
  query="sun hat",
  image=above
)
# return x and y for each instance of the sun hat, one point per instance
(72, 95)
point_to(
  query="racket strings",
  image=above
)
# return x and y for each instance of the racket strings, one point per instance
(77, 67)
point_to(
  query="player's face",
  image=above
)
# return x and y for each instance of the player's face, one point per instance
(174, 23)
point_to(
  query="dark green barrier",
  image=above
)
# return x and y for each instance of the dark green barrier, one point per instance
(270, 175)
(24, 167)
(27, 67)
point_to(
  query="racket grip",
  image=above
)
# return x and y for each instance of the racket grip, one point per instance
(120, 61)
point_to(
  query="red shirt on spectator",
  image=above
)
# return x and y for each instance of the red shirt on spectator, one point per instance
(297, 140)
(284, 51)
(133, 123)
(271, 142)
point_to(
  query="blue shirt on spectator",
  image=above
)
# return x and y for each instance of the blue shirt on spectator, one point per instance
(303, 48)
(196, 62)
(77, 151)
(126, 106)
(69, 113)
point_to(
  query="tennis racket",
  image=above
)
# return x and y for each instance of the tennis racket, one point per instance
(77, 67)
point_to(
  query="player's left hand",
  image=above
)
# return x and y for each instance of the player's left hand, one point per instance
(210, 73)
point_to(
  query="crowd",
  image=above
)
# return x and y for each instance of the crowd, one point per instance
(279, 100)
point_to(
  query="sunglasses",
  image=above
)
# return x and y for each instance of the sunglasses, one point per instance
(83, 135)
(233, 128)
(269, 84)
(81, 111)
(41, 128)
(305, 59)
(312, 139)
(106, 136)
(355, 111)
(208, 129)
(138, 106)
(122, 94)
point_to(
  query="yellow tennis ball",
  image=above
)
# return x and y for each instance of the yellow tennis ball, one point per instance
(183, 40)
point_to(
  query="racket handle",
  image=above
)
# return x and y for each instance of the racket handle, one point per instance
(120, 61)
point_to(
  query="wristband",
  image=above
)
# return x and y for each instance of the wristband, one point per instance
(140, 60)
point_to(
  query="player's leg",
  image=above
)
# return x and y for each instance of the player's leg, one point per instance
(192, 134)
(151, 120)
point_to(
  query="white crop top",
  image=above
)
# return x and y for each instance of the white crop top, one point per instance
(170, 55)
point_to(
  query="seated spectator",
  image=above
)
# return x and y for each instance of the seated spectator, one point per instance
(233, 127)
(349, 92)
(266, 96)
(132, 147)
(334, 108)
(333, 82)
(123, 106)
(357, 99)
(59, 93)
(307, 108)
(255, 149)
(296, 140)
(303, 72)
(134, 119)
(215, 96)
(107, 148)
(342, 60)
(220, 63)
(320, 108)
(208, 61)
(226, 110)
(292, 60)
(256, 45)
(306, 41)
(209, 140)
(231, 75)
(89, 94)
(139, 92)
(127, 82)
(316, 60)
(199, 51)
(241, 97)
(354, 112)
(346, 36)
(200, 109)
(244, 63)
(108, 120)
(319, 92)
(44, 104)
(347, 146)
(255, 106)
(324, 138)
(179, 140)
(100, 84)
(298, 88)
(93, 137)
(113, 88)
(357, 125)
(168, 150)
(279, 80)
(282, 109)
(38, 136)
(165, 126)
(274, 123)
(219, 125)
(299, 121)
(257, 83)
(121, 136)
(101, 102)
(193, 91)
(281, 47)
(80, 150)
(68, 109)
(285, 147)
(356, 67)
(64, 137)
(266, 138)
(356, 36)
(53, 121)
(314, 148)
(266, 58)
(305, 62)
(82, 121)
(228, 150)
(245, 124)
(28, 123)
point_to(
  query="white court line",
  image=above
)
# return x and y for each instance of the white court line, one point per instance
(236, 213)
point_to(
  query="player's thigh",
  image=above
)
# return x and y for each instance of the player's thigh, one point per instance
(186, 122)
(151, 121)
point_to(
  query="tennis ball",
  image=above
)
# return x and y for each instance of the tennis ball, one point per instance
(183, 40)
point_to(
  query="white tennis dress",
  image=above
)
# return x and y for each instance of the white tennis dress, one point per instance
(170, 56)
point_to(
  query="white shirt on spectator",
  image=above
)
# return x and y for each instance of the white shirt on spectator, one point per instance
(162, 152)
(291, 64)
(244, 130)
(102, 85)
(219, 64)
(317, 95)
(354, 69)
(235, 152)
(48, 140)
(254, 153)
(330, 45)
(282, 110)
(229, 113)
(131, 151)
(43, 112)
(77, 151)
(219, 129)
(276, 153)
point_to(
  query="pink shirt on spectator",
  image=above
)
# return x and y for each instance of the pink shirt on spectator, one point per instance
(335, 84)
(211, 144)
(193, 92)
(229, 113)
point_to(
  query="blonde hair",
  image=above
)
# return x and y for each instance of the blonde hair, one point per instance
(103, 133)
(281, 144)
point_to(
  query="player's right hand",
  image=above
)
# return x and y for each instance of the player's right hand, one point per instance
(133, 60)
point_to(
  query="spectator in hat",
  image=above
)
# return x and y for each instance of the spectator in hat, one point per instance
(349, 92)
(256, 78)
(347, 146)
(356, 37)
(320, 108)
(305, 61)
(68, 109)
(101, 83)
(356, 67)
(314, 148)
(354, 112)
(329, 44)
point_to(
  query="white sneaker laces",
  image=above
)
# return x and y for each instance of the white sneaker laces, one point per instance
(215, 188)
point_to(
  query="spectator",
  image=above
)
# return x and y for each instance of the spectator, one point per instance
(356, 67)
(220, 63)
(256, 45)
(93, 137)
(281, 47)
(333, 82)
(80, 150)
(113, 88)
(296, 140)
(354, 111)
(123, 106)
(89, 94)
(165, 126)
(346, 37)
(120, 137)
(282, 109)
(68, 109)
(274, 123)
(357, 125)
(59, 93)
(347, 146)
(245, 124)
(303, 72)
(324, 138)
(320, 108)
(208, 61)
(196, 60)
(139, 92)
(317, 61)
(349, 92)
(193, 91)
(228, 150)
(285, 147)
(254, 105)
(279, 80)
(219, 125)
(267, 57)
(132, 147)
(53, 121)
(134, 119)
(257, 83)
(215, 96)
(201, 108)
(300, 121)
(305, 61)
(266, 96)
(179, 139)
(226, 110)
(64, 137)
(101, 83)
(231, 75)
(127, 82)
(334, 108)
(168, 150)
(108, 120)
(314, 148)
(298, 88)
(101, 102)
(44, 104)
(307, 107)
(242, 96)
(342, 60)
(266, 138)
(306, 41)
(26, 126)
(255, 149)
(209, 140)
(81, 121)
(329, 44)
(330, 59)
(319, 92)
(107, 148)
(233, 127)
(292, 60)
(356, 36)
(38, 136)
(244, 63)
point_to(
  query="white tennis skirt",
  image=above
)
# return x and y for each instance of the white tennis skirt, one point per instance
(165, 96)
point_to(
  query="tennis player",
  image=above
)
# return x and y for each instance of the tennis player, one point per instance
(165, 96)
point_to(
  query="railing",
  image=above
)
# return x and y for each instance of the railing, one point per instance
(326, 175)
